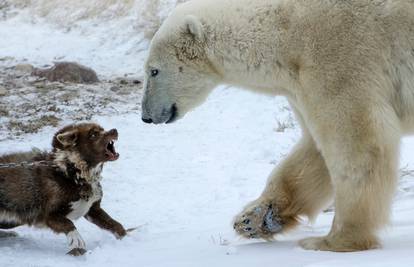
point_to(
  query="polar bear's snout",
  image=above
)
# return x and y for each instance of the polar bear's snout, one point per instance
(173, 114)
(167, 115)
(158, 105)
(147, 120)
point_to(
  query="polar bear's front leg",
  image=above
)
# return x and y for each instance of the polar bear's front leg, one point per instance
(359, 138)
(299, 186)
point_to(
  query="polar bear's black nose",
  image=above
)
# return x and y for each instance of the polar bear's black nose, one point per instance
(147, 120)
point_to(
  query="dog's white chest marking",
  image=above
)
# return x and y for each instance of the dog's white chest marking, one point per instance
(8, 217)
(81, 207)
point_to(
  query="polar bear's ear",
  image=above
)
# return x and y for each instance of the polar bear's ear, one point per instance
(194, 27)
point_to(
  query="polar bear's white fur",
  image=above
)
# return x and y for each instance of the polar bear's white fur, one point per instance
(346, 67)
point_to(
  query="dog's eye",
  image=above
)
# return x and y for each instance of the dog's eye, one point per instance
(154, 72)
(93, 135)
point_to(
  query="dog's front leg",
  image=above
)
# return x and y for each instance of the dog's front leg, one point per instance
(98, 216)
(61, 224)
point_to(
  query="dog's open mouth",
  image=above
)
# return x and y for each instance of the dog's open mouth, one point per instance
(110, 152)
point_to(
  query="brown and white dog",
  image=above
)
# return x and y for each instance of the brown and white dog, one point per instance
(65, 187)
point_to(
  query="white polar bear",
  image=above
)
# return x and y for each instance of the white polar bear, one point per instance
(347, 69)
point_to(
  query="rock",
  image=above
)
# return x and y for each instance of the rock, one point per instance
(24, 68)
(114, 88)
(38, 82)
(123, 81)
(127, 81)
(6, 58)
(68, 72)
(3, 91)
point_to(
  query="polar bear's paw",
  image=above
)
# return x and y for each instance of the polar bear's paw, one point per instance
(258, 221)
(339, 243)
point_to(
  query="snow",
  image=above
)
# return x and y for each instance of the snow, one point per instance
(182, 184)
(34, 43)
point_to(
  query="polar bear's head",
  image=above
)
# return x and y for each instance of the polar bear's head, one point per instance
(178, 73)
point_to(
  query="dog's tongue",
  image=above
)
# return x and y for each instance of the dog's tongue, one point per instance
(114, 156)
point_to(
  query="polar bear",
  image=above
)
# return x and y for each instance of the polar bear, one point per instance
(347, 69)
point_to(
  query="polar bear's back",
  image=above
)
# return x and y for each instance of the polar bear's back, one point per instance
(351, 37)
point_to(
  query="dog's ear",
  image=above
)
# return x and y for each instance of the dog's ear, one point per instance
(68, 138)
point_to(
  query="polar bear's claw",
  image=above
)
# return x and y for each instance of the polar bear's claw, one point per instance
(258, 222)
(271, 222)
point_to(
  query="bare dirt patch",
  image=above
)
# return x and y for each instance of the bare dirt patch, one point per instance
(28, 103)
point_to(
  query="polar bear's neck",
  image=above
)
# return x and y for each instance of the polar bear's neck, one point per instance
(244, 41)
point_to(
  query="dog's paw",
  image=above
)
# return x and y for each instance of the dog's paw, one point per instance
(76, 244)
(120, 232)
(77, 252)
(258, 221)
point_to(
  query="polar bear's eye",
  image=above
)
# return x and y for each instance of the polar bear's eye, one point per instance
(154, 72)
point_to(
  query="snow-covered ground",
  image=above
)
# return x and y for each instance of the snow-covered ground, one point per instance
(182, 183)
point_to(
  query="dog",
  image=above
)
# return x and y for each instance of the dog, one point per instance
(52, 189)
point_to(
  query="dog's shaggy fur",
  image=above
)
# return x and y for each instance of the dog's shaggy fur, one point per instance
(65, 187)
(346, 67)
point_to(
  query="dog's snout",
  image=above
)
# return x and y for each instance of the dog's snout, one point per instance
(113, 132)
(147, 120)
